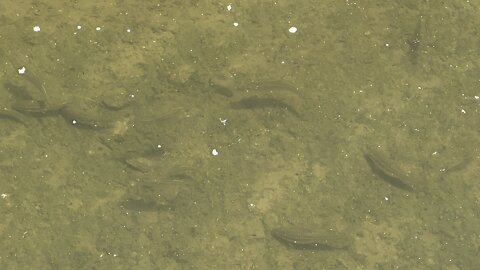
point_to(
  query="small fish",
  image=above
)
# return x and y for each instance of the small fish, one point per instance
(13, 115)
(263, 103)
(144, 205)
(299, 237)
(459, 165)
(140, 164)
(385, 173)
(415, 41)
(37, 106)
(85, 115)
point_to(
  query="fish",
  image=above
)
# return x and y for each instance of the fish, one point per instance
(255, 102)
(37, 106)
(385, 173)
(414, 42)
(13, 115)
(302, 238)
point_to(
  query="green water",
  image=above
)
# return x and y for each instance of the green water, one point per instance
(164, 135)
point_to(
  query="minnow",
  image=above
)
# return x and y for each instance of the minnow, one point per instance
(383, 172)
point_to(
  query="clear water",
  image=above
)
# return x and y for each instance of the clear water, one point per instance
(181, 134)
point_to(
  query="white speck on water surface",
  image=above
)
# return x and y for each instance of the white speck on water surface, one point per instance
(223, 121)
(79, 27)
(36, 28)
(98, 28)
(229, 7)
(292, 29)
(214, 152)
(235, 24)
(22, 70)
